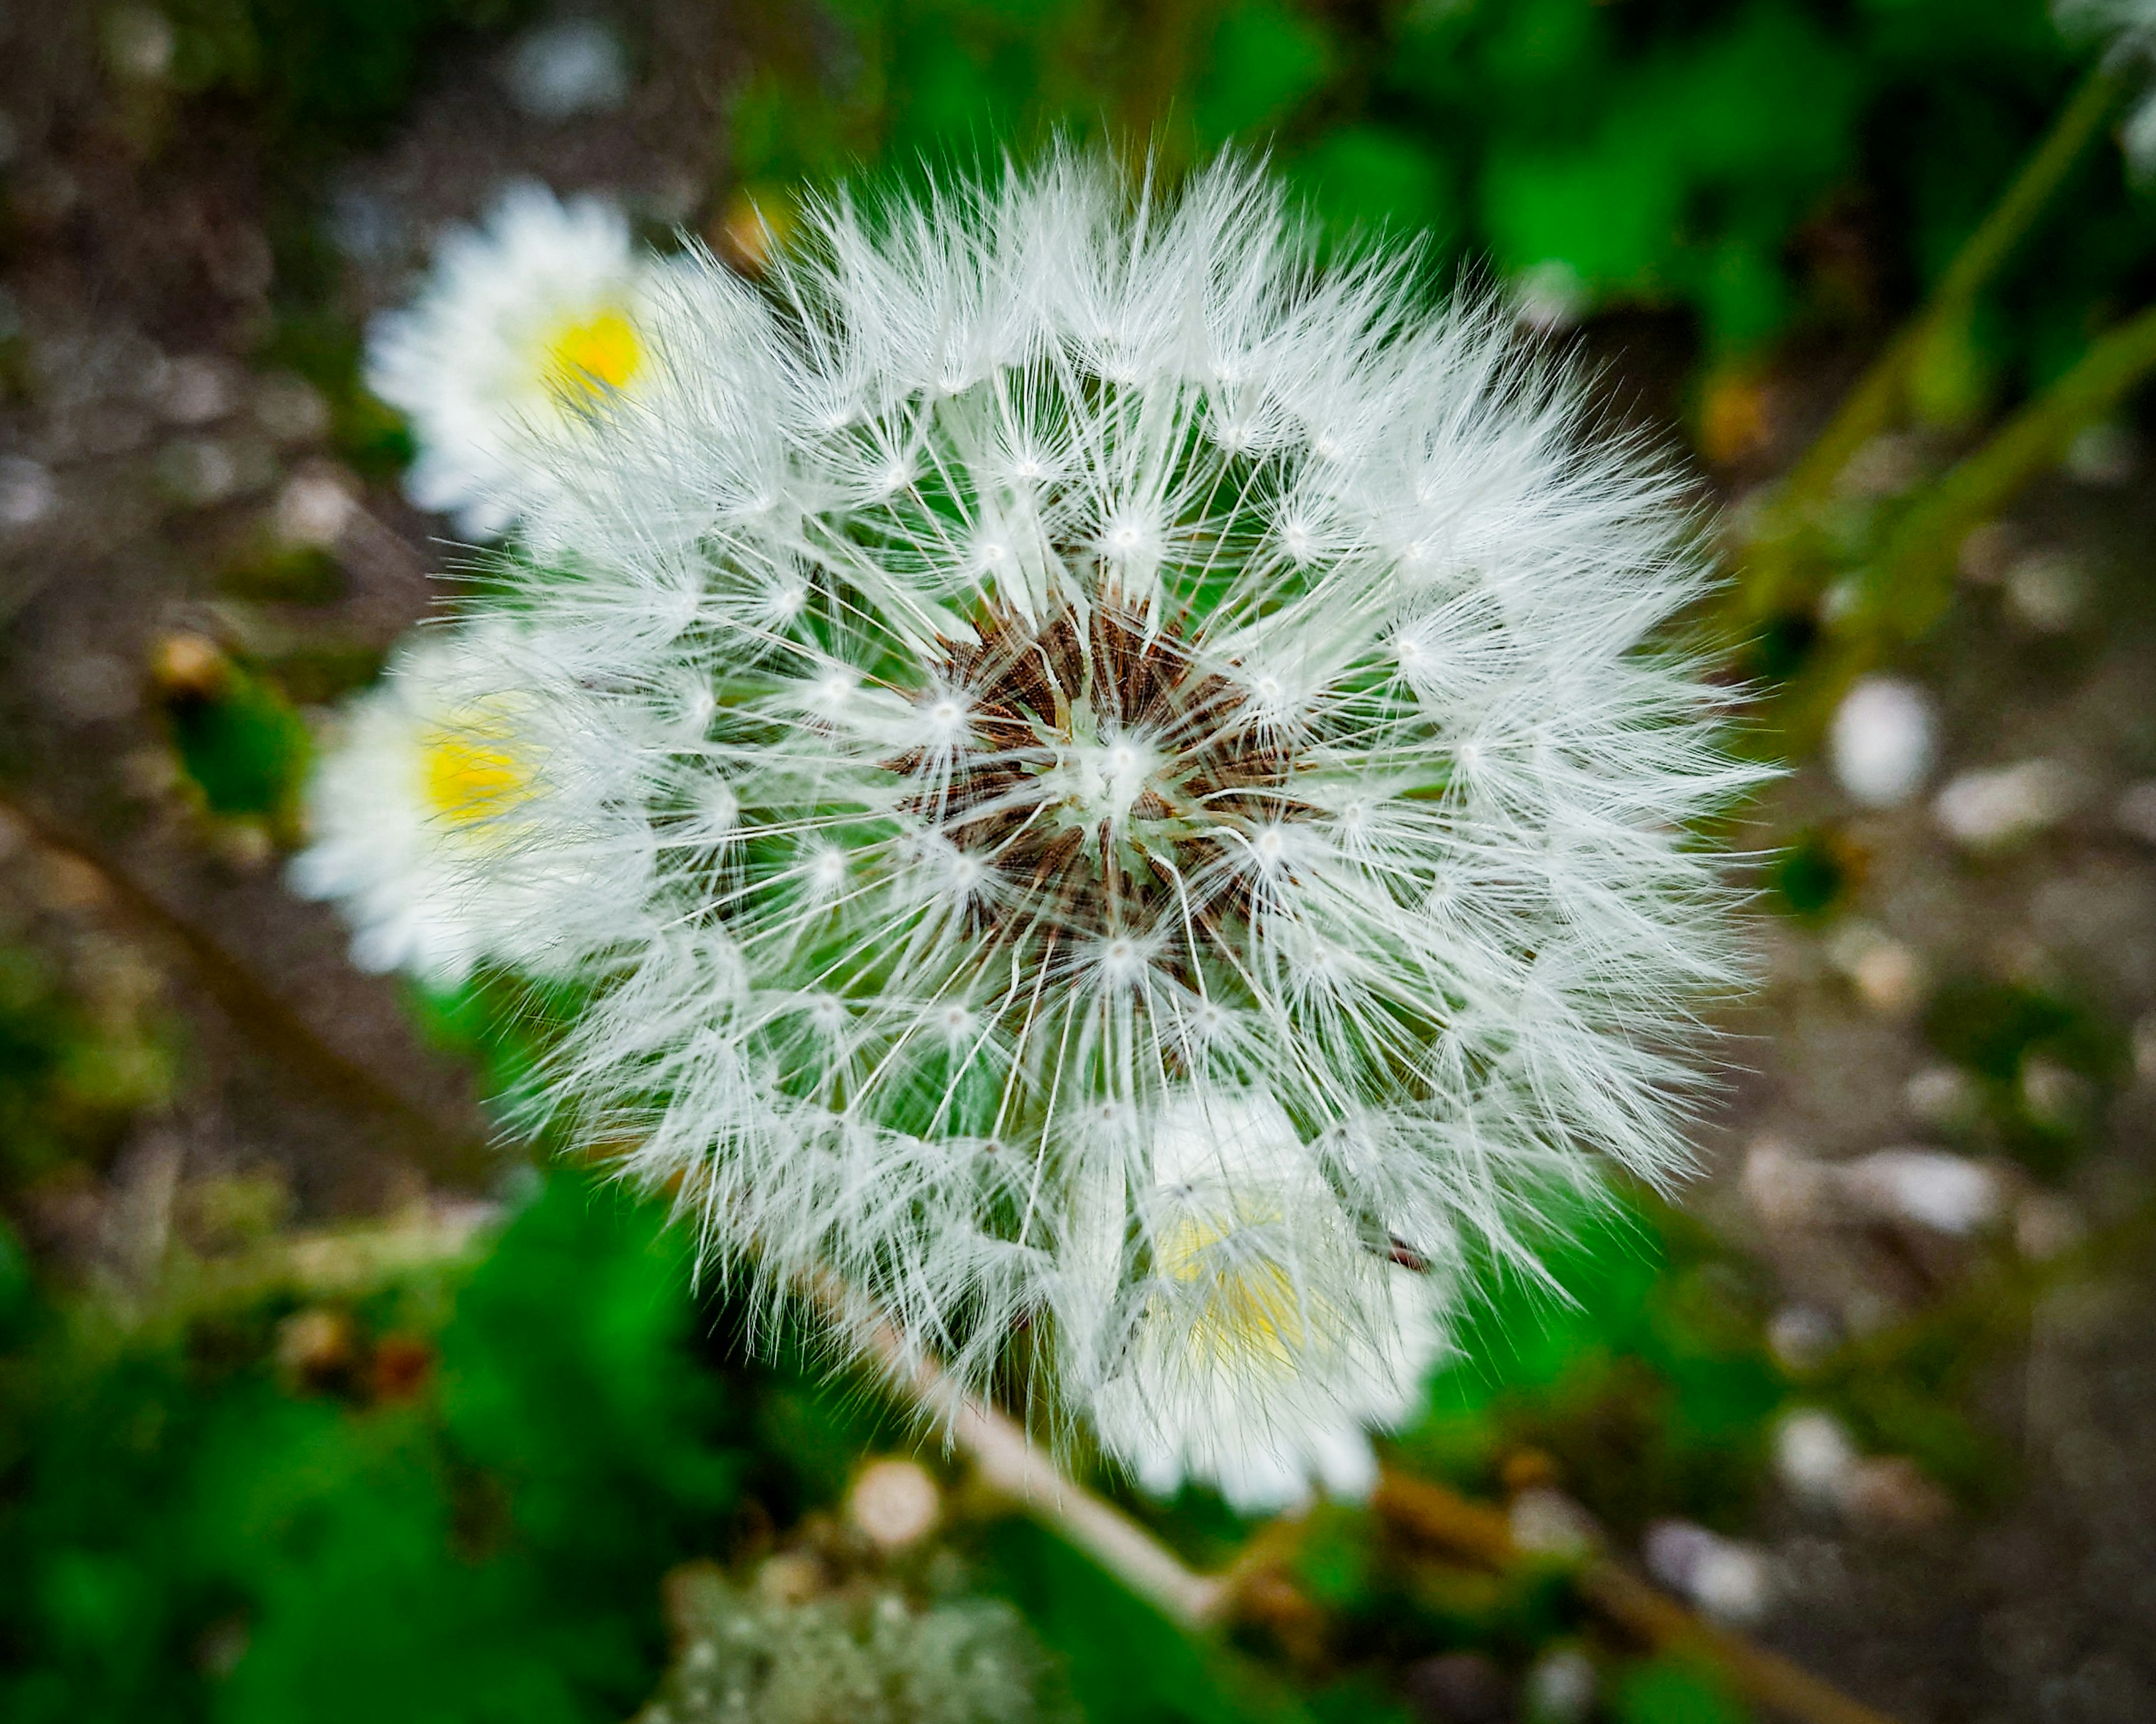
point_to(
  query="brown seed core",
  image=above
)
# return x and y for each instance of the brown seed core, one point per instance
(1040, 696)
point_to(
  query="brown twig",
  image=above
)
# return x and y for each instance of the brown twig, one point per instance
(1483, 1535)
(280, 1031)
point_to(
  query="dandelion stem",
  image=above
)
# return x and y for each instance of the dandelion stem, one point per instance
(1008, 1461)
(1779, 557)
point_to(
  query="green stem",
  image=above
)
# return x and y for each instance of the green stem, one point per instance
(1912, 579)
(1881, 395)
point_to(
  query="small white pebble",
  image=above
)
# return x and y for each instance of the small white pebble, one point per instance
(290, 409)
(894, 1503)
(140, 42)
(1892, 1490)
(197, 470)
(2053, 1093)
(1733, 1583)
(198, 389)
(94, 687)
(28, 494)
(1985, 553)
(2105, 455)
(1888, 976)
(1550, 297)
(2136, 813)
(2047, 593)
(1813, 1456)
(1987, 810)
(1671, 1550)
(1944, 1097)
(1546, 1520)
(1883, 740)
(2144, 1047)
(2045, 1226)
(1930, 1188)
(561, 69)
(1783, 1184)
(1729, 1580)
(1801, 1337)
(1884, 467)
(312, 511)
(1560, 1686)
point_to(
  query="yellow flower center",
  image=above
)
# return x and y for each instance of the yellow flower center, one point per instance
(586, 356)
(1251, 1312)
(472, 774)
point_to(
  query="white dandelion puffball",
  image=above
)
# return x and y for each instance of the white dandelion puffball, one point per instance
(522, 324)
(478, 808)
(1184, 752)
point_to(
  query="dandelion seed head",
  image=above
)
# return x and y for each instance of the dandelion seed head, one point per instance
(1134, 689)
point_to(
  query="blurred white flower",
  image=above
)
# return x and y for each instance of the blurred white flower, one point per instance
(1882, 741)
(1156, 700)
(1243, 1332)
(523, 326)
(477, 807)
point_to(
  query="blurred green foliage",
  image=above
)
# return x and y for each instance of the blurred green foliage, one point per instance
(242, 743)
(1638, 1370)
(69, 1083)
(450, 1499)
(1667, 1692)
(320, 74)
(2042, 1063)
(1760, 165)
(1808, 876)
(185, 1535)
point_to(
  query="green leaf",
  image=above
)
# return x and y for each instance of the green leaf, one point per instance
(1264, 61)
(1367, 178)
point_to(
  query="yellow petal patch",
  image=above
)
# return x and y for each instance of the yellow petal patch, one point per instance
(591, 355)
(471, 775)
(1251, 1311)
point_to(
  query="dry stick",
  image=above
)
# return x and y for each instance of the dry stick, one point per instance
(1005, 1457)
(1484, 1536)
(1911, 583)
(275, 1026)
(1881, 395)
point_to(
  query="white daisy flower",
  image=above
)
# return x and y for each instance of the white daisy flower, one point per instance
(1248, 1333)
(522, 324)
(482, 805)
(1141, 664)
